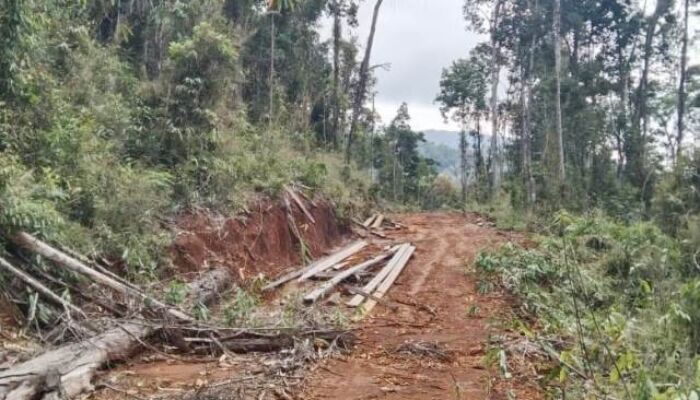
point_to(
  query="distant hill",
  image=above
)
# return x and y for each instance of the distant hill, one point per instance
(447, 138)
(443, 147)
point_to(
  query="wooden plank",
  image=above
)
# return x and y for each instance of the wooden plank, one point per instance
(362, 293)
(333, 259)
(327, 286)
(341, 265)
(378, 222)
(301, 205)
(285, 278)
(369, 288)
(294, 274)
(390, 279)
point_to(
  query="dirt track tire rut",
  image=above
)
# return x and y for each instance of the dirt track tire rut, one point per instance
(437, 278)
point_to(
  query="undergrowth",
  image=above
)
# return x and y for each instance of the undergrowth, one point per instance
(622, 294)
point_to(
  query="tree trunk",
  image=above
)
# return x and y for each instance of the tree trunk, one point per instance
(337, 37)
(479, 158)
(681, 85)
(67, 371)
(637, 143)
(495, 72)
(525, 98)
(266, 344)
(560, 172)
(39, 287)
(208, 287)
(622, 119)
(271, 83)
(33, 244)
(362, 84)
(463, 164)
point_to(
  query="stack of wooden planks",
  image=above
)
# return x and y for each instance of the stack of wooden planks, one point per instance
(379, 272)
(383, 280)
(378, 221)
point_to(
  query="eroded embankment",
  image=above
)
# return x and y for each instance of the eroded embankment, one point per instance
(259, 241)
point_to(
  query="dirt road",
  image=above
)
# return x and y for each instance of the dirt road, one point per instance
(454, 316)
(437, 304)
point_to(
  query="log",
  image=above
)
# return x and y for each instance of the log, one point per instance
(39, 287)
(369, 220)
(268, 344)
(327, 286)
(208, 287)
(300, 204)
(369, 287)
(31, 243)
(68, 371)
(333, 259)
(390, 279)
(378, 222)
(96, 265)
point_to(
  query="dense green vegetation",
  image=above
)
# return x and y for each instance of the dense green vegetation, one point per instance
(620, 301)
(597, 120)
(116, 116)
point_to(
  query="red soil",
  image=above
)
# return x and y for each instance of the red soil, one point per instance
(436, 277)
(259, 241)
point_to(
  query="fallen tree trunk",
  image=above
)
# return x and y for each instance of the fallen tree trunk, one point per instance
(68, 371)
(39, 287)
(266, 344)
(208, 287)
(31, 243)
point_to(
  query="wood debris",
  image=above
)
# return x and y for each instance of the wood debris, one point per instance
(327, 286)
(333, 259)
(424, 349)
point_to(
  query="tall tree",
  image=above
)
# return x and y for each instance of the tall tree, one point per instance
(683, 77)
(339, 10)
(337, 38)
(495, 72)
(11, 21)
(463, 98)
(556, 30)
(641, 118)
(361, 90)
(527, 71)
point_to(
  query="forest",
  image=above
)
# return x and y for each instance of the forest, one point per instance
(124, 121)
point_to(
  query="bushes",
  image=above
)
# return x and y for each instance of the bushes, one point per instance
(111, 138)
(621, 292)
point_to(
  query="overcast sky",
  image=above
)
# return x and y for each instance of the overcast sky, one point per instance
(418, 38)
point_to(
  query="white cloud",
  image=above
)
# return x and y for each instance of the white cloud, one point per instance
(423, 117)
(418, 38)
